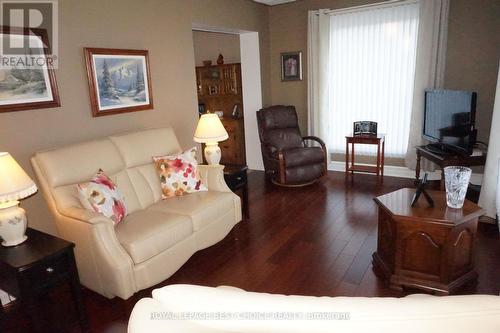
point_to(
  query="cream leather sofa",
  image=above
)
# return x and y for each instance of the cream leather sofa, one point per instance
(241, 311)
(158, 236)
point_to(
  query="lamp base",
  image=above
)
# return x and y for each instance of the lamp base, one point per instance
(13, 224)
(212, 153)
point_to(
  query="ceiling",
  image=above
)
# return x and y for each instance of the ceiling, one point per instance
(273, 2)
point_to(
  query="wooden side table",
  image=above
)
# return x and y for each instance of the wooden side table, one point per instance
(40, 263)
(445, 160)
(236, 179)
(351, 167)
(427, 248)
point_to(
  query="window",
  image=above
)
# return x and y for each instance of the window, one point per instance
(372, 70)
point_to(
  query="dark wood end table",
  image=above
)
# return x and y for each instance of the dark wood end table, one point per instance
(426, 248)
(445, 160)
(236, 179)
(40, 263)
(351, 167)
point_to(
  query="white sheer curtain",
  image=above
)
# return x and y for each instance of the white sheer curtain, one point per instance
(401, 121)
(491, 180)
(430, 67)
(318, 51)
(372, 71)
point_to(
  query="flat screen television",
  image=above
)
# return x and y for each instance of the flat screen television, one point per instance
(449, 118)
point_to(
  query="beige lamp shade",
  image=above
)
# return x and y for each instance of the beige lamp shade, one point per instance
(15, 184)
(210, 129)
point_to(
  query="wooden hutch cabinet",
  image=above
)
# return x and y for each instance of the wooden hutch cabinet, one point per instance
(219, 89)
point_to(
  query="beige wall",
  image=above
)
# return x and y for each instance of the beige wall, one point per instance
(208, 46)
(472, 53)
(163, 28)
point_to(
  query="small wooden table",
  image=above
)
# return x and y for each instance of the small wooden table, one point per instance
(351, 167)
(235, 176)
(445, 160)
(32, 268)
(427, 248)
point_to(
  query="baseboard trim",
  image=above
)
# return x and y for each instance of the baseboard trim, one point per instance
(403, 172)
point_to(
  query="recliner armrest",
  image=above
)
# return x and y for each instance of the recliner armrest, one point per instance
(321, 143)
(315, 138)
(213, 177)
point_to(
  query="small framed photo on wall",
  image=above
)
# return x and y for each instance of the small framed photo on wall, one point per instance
(291, 66)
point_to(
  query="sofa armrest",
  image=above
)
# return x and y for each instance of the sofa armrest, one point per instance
(213, 177)
(84, 215)
(149, 315)
(103, 264)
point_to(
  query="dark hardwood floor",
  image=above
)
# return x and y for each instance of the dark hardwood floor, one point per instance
(316, 240)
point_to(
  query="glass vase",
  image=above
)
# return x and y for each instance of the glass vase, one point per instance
(457, 181)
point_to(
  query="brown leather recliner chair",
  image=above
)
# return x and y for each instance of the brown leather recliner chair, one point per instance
(287, 159)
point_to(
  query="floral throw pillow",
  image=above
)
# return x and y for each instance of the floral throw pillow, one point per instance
(102, 196)
(178, 174)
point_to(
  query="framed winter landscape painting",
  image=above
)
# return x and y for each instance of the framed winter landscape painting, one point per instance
(27, 79)
(119, 80)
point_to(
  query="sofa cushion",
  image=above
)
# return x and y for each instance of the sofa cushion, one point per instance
(147, 233)
(78, 163)
(137, 148)
(280, 313)
(102, 196)
(144, 180)
(303, 156)
(202, 207)
(178, 174)
(122, 180)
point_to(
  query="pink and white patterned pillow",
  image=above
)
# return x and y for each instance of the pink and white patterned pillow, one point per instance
(178, 174)
(102, 196)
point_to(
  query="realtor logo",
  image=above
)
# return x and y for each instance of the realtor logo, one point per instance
(31, 17)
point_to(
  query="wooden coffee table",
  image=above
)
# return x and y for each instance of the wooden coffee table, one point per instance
(427, 248)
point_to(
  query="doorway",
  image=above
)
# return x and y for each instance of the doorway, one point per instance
(250, 88)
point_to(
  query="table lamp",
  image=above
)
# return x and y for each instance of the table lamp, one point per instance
(210, 131)
(15, 184)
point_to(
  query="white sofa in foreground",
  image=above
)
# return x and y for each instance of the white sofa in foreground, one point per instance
(267, 313)
(158, 236)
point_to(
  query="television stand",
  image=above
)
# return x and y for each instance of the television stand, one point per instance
(443, 149)
(444, 160)
(437, 149)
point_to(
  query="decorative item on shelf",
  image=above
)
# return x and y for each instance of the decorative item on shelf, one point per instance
(119, 80)
(15, 184)
(213, 90)
(456, 180)
(220, 60)
(220, 114)
(210, 131)
(236, 114)
(27, 87)
(207, 62)
(365, 128)
(291, 66)
(421, 190)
